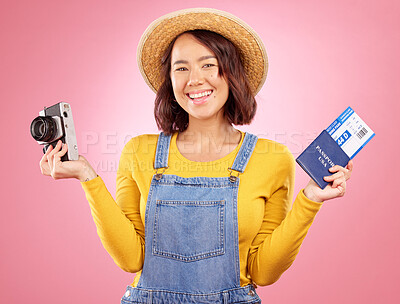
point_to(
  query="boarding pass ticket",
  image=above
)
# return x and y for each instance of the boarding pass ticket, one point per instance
(350, 132)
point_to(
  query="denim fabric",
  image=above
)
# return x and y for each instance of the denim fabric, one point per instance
(162, 151)
(191, 229)
(189, 216)
(243, 156)
(237, 295)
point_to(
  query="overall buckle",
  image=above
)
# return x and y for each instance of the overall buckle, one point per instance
(158, 175)
(233, 177)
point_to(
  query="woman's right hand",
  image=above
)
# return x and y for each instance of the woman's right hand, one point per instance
(51, 165)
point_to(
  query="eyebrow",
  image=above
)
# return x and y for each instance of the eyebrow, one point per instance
(200, 59)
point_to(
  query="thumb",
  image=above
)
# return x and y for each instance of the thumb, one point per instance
(82, 158)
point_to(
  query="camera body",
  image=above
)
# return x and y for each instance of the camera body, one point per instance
(56, 123)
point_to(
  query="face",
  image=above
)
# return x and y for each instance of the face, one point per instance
(197, 85)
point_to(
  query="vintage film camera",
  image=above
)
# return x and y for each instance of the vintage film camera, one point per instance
(55, 123)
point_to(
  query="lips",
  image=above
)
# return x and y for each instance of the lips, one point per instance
(199, 97)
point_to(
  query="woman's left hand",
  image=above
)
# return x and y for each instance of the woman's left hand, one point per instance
(336, 188)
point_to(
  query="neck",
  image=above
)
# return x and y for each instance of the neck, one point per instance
(206, 133)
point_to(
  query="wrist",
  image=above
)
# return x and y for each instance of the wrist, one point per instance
(309, 193)
(87, 174)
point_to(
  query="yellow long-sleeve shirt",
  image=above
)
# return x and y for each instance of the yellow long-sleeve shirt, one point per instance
(270, 235)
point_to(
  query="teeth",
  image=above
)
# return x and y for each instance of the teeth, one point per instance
(202, 94)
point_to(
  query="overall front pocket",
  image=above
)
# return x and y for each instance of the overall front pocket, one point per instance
(189, 230)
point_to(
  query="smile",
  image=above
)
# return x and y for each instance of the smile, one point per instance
(199, 95)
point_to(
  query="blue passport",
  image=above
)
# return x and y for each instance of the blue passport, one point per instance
(322, 154)
(336, 145)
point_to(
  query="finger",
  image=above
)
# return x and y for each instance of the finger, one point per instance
(339, 181)
(334, 176)
(56, 161)
(44, 157)
(58, 145)
(335, 168)
(49, 149)
(63, 150)
(50, 156)
(61, 153)
(338, 168)
(44, 164)
(349, 167)
(50, 163)
(55, 149)
(340, 189)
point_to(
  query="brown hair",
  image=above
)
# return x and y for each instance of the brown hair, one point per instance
(241, 105)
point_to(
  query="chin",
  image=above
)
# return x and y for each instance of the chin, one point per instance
(205, 115)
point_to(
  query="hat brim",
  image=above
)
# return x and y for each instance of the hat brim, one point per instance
(160, 33)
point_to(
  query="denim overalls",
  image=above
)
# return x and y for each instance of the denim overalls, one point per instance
(191, 229)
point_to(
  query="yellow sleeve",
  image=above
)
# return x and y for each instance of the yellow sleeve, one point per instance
(278, 241)
(118, 223)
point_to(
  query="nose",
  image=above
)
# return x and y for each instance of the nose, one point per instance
(195, 77)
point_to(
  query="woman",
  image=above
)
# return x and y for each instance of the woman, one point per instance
(202, 210)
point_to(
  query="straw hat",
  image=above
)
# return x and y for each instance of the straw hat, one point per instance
(162, 31)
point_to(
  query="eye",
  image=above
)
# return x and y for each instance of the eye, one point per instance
(208, 65)
(181, 69)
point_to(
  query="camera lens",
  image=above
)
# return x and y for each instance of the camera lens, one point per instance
(43, 128)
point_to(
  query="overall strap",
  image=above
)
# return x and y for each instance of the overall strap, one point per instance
(162, 152)
(245, 151)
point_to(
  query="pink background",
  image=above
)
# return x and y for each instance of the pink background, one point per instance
(324, 56)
